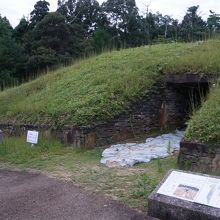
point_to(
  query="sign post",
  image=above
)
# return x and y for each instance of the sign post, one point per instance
(1, 135)
(32, 137)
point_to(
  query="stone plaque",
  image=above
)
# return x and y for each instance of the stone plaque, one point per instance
(32, 137)
(191, 187)
(186, 195)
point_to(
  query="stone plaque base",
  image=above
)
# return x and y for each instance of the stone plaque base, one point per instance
(171, 208)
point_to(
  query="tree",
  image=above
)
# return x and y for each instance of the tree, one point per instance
(53, 32)
(87, 14)
(21, 30)
(41, 8)
(175, 29)
(213, 22)
(166, 20)
(192, 27)
(10, 54)
(67, 8)
(83, 12)
(152, 26)
(51, 41)
(41, 59)
(167, 27)
(101, 40)
(124, 20)
(54, 41)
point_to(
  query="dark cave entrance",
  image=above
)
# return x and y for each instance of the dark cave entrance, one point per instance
(184, 95)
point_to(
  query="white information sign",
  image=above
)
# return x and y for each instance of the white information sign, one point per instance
(32, 137)
(195, 188)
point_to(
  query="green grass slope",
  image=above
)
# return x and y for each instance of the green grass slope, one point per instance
(204, 126)
(101, 87)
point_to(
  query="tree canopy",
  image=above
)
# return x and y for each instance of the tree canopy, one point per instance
(81, 27)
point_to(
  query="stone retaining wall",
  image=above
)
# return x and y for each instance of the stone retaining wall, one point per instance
(199, 157)
(165, 105)
(156, 109)
(140, 118)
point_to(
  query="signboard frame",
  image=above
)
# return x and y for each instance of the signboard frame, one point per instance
(170, 207)
(32, 137)
(204, 190)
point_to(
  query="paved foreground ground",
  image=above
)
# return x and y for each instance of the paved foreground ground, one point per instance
(30, 196)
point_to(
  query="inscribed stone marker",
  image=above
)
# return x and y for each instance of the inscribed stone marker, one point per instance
(185, 195)
(191, 187)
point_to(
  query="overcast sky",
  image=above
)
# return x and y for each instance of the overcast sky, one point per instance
(14, 10)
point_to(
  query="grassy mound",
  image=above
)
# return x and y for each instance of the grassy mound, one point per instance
(204, 126)
(101, 87)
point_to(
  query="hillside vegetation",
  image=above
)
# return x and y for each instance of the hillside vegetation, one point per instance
(204, 126)
(78, 28)
(101, 87)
